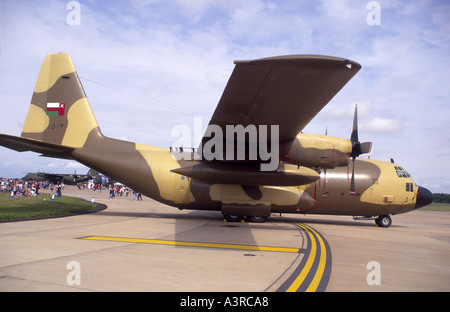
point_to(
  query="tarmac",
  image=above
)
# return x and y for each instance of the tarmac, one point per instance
(147, 246)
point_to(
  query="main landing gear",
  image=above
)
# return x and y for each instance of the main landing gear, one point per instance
(239, 218)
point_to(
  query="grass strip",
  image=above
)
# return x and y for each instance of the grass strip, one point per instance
(40, 206)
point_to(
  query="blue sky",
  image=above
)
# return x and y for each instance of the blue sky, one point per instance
(149, 65)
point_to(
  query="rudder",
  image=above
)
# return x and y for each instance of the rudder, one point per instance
(59, 112)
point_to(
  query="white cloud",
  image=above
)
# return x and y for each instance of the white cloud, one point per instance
(347, 110)
(73, 165)
(381, 125)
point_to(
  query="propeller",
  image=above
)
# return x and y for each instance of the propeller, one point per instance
(325, 193)
(358, 148)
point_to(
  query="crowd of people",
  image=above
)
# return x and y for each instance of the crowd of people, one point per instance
(20, 187)
(114, 190)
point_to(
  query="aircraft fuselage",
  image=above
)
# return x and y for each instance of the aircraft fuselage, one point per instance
(382, 188)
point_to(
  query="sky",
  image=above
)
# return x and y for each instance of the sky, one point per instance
(150, 65)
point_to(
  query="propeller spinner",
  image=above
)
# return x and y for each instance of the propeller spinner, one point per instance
(358, 148)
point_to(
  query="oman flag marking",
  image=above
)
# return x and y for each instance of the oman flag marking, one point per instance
(55, 109)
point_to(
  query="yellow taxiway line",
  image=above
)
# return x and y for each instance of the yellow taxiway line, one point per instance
(315, 265)
(311, 257)
(191, 244)
(323, 256)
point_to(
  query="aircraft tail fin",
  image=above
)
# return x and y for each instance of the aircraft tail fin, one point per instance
(59, 113)
(93, 172)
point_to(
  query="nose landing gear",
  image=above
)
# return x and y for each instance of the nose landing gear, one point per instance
(384, 221)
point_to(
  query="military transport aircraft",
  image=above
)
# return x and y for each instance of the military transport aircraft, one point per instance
(237, 174)
(66, 178)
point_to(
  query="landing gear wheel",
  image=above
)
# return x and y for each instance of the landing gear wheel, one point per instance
(384, 221)
(233, 218)
(256, 219)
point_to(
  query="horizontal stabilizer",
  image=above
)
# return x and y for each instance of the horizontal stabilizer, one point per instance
(46, 149)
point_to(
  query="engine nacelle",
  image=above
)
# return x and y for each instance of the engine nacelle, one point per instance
(316, 151)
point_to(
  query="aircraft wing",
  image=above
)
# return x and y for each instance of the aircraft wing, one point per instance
(286, 90)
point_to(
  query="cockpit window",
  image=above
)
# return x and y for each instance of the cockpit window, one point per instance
(402, 173)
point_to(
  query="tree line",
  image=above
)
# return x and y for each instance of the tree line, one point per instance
(441, 198)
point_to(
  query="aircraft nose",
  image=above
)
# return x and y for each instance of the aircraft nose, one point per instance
(424, 197)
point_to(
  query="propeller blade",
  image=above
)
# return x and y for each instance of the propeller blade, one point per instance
(358, 148)
(352, 182)
(354, 136)
(325, 193)
(366, 147)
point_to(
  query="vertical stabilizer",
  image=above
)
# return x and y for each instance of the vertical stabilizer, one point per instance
(59, 112)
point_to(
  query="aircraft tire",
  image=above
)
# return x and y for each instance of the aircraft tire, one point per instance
(233, 218)
(256, 219)
(384, 221)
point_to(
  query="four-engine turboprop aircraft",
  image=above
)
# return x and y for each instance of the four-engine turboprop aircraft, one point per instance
(66, 178)
(302, 173)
